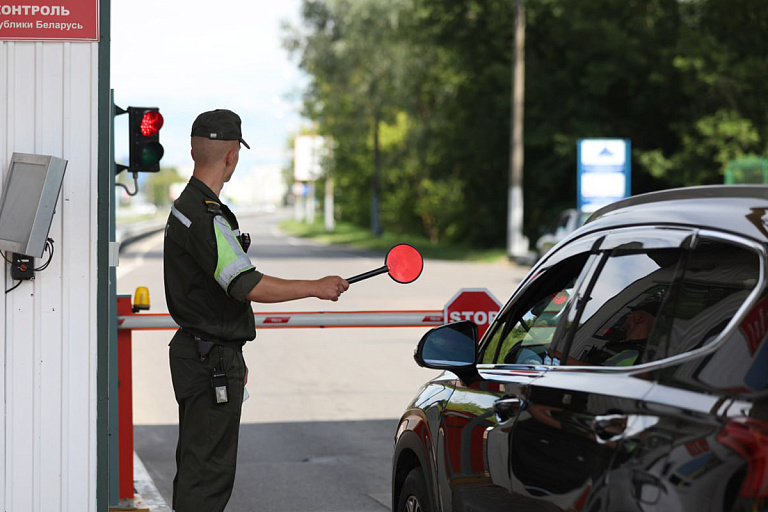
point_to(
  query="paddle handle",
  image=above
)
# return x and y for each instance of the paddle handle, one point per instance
(366, 275)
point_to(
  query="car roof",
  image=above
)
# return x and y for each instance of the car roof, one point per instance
(735, 208)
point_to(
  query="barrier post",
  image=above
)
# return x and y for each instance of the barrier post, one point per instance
(125, 401)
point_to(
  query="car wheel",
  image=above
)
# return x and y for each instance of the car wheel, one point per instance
(413, 494)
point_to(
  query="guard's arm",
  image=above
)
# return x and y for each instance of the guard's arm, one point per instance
(274, 289)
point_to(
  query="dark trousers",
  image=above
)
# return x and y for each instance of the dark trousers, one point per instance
(206, 453)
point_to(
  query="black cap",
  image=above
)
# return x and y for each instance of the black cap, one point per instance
(648, 305)
(219, 124)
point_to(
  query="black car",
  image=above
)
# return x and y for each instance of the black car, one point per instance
(627, 372)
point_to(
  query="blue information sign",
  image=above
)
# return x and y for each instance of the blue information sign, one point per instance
(604, 172)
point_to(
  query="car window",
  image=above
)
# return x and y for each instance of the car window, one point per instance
(717, 278)
(619, 316)
(522, 334)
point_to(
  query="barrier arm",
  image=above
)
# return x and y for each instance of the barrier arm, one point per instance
(292, 319)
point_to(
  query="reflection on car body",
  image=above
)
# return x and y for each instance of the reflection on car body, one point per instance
(571, 404)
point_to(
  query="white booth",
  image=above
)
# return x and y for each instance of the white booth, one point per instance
(55, 362)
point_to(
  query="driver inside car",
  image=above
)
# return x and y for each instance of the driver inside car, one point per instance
(627, 351)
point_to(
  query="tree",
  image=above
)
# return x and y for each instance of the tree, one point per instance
(417, 92)
(722, 64)
(354, 60)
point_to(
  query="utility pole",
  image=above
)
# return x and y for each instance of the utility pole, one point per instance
(517, 243)
(376, 228)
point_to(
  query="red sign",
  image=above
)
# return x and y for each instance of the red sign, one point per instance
(277, 320)
(49, 20)
(477, 305)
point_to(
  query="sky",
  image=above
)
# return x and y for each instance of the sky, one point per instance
(186, 57)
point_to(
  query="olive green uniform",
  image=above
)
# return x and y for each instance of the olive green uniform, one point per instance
(207, 278)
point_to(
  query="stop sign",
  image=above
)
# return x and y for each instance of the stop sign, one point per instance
(475, 304)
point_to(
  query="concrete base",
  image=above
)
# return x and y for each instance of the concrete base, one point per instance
(146, 497)
(137, 504)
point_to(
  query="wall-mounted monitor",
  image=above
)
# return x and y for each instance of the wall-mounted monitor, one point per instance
(31, 190)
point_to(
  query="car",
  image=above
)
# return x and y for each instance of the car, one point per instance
(627, 372)
(567, 222)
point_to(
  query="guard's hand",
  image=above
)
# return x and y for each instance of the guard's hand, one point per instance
(331, 287)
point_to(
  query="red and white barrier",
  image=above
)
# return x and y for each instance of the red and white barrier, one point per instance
(293, 319)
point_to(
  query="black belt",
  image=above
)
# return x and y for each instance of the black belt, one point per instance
(206, 343)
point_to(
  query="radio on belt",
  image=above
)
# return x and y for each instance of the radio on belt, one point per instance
(219, 383)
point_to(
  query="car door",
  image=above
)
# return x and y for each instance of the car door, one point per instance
(474, 435)
(564, 442)
(677, 453)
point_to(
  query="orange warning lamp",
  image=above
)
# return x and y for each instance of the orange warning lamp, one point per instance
(141, 299)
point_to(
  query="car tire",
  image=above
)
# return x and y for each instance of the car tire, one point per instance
(413, 493)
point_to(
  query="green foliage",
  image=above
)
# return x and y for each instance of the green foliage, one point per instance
(157, 187)
(420, 89)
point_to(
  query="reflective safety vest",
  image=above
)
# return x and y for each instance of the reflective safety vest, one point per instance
(208, 274)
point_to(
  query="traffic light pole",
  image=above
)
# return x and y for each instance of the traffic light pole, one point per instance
(112, 382)
(145, 155)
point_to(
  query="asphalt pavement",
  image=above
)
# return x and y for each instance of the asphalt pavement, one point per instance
(297, 467)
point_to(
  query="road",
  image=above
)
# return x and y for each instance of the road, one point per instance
(317, 430)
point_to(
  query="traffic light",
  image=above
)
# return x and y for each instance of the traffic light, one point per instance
(145, 150)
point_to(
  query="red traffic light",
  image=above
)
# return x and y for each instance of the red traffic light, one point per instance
(144, 125)
(151, 123)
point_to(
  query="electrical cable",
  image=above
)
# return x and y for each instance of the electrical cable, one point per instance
(9, 261)
(48, 247)
(14, 287)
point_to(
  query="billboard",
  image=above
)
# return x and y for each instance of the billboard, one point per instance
(604, 172)
(309, 151)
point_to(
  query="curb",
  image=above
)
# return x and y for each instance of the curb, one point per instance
(145, 487)
(146, 497)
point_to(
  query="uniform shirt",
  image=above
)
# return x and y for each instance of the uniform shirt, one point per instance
(207, 273)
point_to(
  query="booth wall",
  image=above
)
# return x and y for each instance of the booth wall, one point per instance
(48, 105)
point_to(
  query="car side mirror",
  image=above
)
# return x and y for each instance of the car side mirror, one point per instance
(450, 347)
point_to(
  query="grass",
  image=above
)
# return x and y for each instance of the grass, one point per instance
(347, 234)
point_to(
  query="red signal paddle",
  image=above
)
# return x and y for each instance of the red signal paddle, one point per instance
(403, 263)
